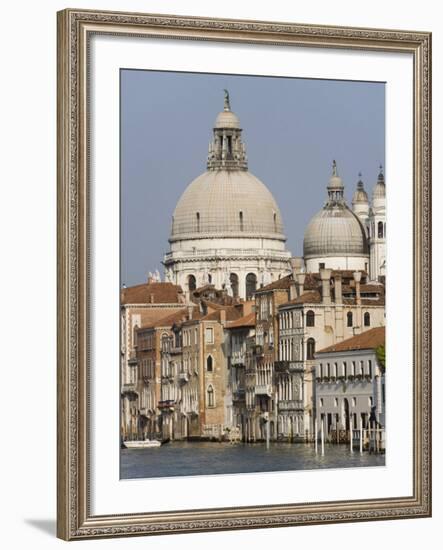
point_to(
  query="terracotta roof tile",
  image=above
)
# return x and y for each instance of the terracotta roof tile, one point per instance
(232, 314)
(152, 293)
(310, 297)
(246, 321)
(369, 339)
(280, 284)
(168, 321)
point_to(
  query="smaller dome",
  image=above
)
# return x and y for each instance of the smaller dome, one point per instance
(334, 231)
(227, 119)
(360, 195)
(380, 187)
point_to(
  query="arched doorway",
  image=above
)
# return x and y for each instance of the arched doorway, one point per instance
(251, 285)
(192, 283)
(346, 413)
(233, 279)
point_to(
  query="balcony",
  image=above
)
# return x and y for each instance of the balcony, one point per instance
(238, 358)
(238, 396)
(293, 405)
(183, 377)
(263, 389)
(175, 350)
(129, 388)
(258, 350)
(281, 366)
(296, 366)
(166, 405)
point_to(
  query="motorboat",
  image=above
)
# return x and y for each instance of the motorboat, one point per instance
(141, 444)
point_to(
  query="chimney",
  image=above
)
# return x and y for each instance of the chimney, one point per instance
(338, 289)
(325, 276)
(297, 265)
(300, 283)
(293, 293)
(151, 298)
(357, 278)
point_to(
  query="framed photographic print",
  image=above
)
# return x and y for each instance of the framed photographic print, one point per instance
(244, 274)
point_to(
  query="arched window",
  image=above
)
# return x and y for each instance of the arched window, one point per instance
(233, 279)
(310, 348)
(349, 318)
(209, 363)
(275, 222)
(210, 396)
(209, 278)
(367, 319)
(251, 285)
(310, 318)
(240, 215)
(197, 216)
(380, 230)
(192, 283)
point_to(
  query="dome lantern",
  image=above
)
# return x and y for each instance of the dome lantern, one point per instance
(335, 187)
(227, 150)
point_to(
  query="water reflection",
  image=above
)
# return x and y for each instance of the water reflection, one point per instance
(206, 458)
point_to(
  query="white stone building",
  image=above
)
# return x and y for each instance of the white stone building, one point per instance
(350, 385)
(227, 229)
(373, 218)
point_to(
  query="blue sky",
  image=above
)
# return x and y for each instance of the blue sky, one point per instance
(293, 129)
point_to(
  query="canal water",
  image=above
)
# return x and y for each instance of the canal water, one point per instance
(207, 458)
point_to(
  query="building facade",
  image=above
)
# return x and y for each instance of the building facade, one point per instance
(350, 386)
(324, 309)
(141, 305)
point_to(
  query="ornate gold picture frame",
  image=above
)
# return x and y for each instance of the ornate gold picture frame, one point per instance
(76, 28)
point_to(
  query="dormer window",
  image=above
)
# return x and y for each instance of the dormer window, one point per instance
(240, 215)
(197, 217)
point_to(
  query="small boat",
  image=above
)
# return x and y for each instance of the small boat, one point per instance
(142, 444)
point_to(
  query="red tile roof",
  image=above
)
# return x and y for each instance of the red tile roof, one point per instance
(370, 339)
(169, 320)
(232, 314)
(310, 297)
(152, 293)
(246, 321)
(280, 284)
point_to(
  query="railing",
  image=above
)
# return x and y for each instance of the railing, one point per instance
(258, 350)
(129, 387)
(296, 366)
(281, 366)
(292, 405)
(215, 252)
(239, 395)
(238, 358)
(263, 389)
(167, 404)
(175, 350)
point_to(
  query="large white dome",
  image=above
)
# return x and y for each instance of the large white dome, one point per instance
(227, 229)
(226, 203)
